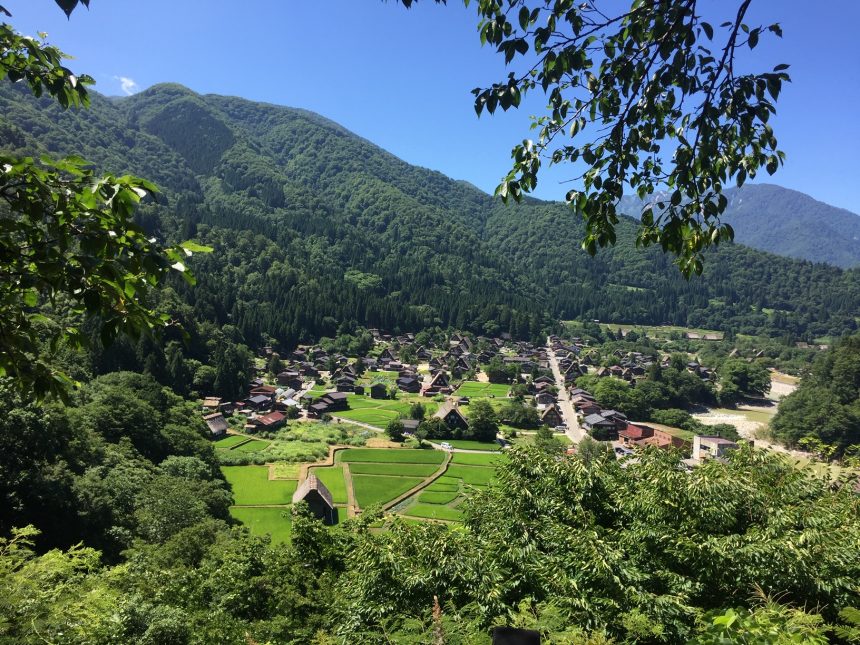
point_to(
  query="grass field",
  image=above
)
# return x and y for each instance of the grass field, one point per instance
(475, 475)
(477, 389)
(378, 489)
(251, 485)
(654, 331)
(524, 438)
(437, 497)
(398, 470)
(276, 522)
(402, 456)
(466, 444)
(433, 511)
(439, 486)
(260, 521)
(254, 445)
(229, 441)
(477, 459)
(332, 478)
(379, 412)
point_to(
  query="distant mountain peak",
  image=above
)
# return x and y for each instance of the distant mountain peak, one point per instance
(785, 222)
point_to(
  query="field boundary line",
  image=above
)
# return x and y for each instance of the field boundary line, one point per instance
(351, 506)
(303, 470)
(443, 468)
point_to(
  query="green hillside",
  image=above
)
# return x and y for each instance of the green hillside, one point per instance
(314, 227)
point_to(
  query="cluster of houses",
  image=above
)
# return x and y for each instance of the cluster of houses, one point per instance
(264, 409)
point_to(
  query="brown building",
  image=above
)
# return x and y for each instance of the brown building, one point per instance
(318, 498)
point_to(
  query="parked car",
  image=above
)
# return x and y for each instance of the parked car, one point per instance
(446, 446)
(561, 428)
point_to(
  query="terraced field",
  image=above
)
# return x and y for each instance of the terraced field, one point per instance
(251, 485)
(478, 389)
(397, 455)
(380, 412)
(379, 489)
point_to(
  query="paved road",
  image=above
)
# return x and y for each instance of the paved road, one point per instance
(573, 432)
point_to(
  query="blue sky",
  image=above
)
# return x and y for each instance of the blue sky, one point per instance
(402, 79)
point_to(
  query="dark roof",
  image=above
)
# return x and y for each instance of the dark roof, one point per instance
(312, 483)
(259, 399)
(596, 420)
(336, 396)
(216, 422)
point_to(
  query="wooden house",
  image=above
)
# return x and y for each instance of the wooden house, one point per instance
(318, 498)
(217, 424)
(451, 415)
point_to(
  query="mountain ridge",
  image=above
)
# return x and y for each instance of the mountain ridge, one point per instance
(786, 222)
(292, 202)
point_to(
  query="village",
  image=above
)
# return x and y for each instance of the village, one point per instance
(358, 420)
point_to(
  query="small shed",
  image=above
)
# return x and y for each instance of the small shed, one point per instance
(318, 498)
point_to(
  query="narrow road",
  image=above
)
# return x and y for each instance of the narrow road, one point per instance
(573, 432)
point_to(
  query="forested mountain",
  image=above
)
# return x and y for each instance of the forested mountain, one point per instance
(314, 228)
(788, 222)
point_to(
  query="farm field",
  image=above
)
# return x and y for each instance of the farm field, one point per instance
(438, 497)
(286, 471)
(433, 511)
(229, 441)
(251, 485)
(478, 389)
(477, 459)
(468, 444)
(528, 438)
(379, 489)
(393, 456)
(398, 470)
(470, 475)
(379, 412)
(254, 445)
(275, 521)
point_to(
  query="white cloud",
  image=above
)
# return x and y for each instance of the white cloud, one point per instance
(127, 85)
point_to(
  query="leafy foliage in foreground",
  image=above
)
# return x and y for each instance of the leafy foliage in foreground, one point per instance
(67, 233)
(577, 548)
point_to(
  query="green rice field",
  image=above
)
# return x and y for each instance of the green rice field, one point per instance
(391, 456)
(477, 459)
(433, 511)
(379, 489)
(251, 485)
(478, 389)
(229, 441)
(467, 444)
(254, 445)
(380, 412)
(437, 497)
(398, 470)
(276, 522)
(474, 475)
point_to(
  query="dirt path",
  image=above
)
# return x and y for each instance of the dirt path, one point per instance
(351, 506)
(357, 423)
(328, 461)
(432, 478)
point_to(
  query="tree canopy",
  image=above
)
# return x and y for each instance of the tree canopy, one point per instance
(648, 100)
(68, 235)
